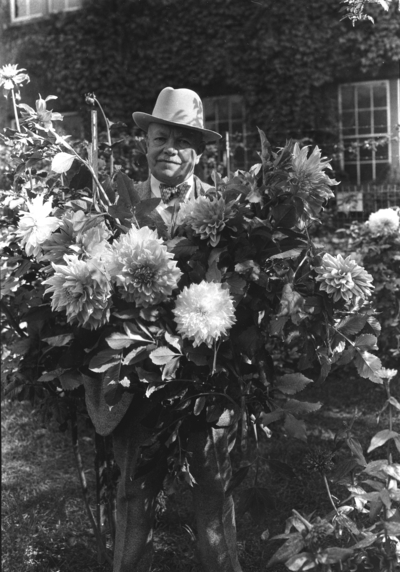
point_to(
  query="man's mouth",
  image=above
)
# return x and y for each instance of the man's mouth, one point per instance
(167, 161)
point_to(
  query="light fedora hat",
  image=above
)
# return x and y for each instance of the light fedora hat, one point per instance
(177, 107)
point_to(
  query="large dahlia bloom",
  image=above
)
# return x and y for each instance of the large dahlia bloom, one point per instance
(309, 181)
(344, 278)
(204, 312)
(82, 290)
(142, 267)
(36, 226)
(384, 222)
(207, 217)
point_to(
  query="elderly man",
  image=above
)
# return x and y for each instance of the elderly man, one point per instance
(175, 140)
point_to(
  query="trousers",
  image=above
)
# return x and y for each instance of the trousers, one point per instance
(136, 498)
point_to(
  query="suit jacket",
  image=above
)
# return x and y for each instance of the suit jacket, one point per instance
(104, 419)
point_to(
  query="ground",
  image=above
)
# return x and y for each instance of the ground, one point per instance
(45, 527)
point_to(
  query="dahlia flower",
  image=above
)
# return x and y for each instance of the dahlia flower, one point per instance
(83, 290)
(42, 117)
(207, 217)
(344, 278)
(384, 222)
(142, 267)
(308, 180)
(11, 76)
(204, 312)
(36, 226)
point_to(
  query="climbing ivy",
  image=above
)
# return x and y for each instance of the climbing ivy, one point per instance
(283, 57)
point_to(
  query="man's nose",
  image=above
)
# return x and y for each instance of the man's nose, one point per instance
(170, 146)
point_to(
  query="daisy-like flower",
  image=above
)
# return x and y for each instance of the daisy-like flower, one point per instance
(142, 267)
(344, 278)
(82, 290)
(11, 77)
(384, 222)
(309, 182)
(207, 217)
(204, 312)
(36, 226)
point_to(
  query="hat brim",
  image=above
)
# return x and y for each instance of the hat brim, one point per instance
(143, 121)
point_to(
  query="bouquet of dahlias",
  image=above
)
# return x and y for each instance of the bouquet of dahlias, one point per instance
(185, 306)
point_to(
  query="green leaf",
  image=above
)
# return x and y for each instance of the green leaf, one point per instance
(292, 253)
(58, 341)
(174, 341)
(237, 477)
(181, 247)
(250, 341)
(294, 544)
(295, 406)
(302, 561)
(50, 375)
(163, 355)
(393, 471)
(113, 393)
(127, 194)
(277, 325)
(148, 376)
(366, 342)
(170, 368)
(335, 554)
(352, 325)
(356, 449)
(118, 341)
(258, 502)
(291, 383)
(104, 360)
(368, 366)
(199, 355)
(199, 405)
(381, 438)
(71, 379)
(145, 207)
(295, 428)
(137, 354)
(267, 418)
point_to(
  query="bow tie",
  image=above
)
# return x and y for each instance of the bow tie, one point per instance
(169, 193)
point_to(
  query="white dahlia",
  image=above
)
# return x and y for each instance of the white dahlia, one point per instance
(36, 226)
(344, 278)
(204, 312)
(384, 222)
(82, 290)
(142, 267)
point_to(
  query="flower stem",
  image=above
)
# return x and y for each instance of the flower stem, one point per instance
(329, 493)
(109, 140)
(15, 110)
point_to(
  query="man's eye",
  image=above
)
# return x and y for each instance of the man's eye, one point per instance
(184, 142)
(159, 139)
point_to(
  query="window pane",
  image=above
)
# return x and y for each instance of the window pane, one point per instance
(236, 109)
(365, 152)
(20, 8)
(57, 5)
(208, 109)
(363, 96)
(350, 150)
(351, 171)
(348, 123)
(380, 121)
(382, 151)
(364, 122)
(379, 92)
(382, 171)
(347, 97)
(223, 109)
(74, 3)
(36, 7)
(366, 172)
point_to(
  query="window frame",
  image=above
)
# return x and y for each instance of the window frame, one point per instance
(46, 9)
(214, 124)
(359, 138)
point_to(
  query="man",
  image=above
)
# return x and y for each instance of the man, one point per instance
(175, 140)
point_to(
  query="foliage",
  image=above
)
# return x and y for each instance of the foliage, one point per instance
(283, 74)
(377, 248)
(182, 305)
(369, 538)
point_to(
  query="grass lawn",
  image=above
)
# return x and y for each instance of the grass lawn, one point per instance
(45, 527)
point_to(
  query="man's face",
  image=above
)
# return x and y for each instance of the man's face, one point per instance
(172, 153)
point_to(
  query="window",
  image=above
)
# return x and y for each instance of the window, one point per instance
(364, 122)
(22, 10)
(226, 114)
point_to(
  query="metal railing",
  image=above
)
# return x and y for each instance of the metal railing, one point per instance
(359, 201)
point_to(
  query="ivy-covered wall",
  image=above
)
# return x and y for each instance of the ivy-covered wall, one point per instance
(285, 57)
